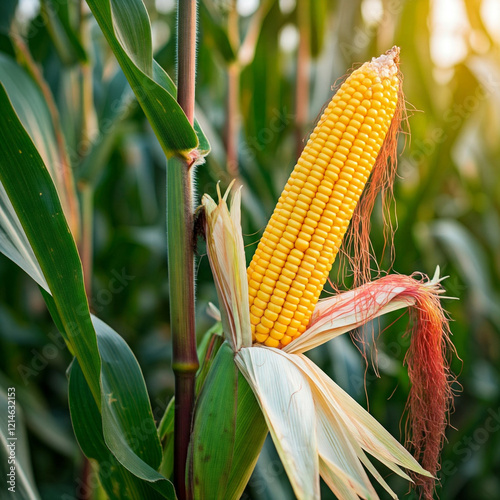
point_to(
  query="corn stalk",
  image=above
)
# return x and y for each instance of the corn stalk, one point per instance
(180, 252)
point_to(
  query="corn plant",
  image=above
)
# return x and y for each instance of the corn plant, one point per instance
(248, 376)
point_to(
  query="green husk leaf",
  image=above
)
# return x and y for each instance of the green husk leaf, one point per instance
(251, 432)
(212, 443)
(207, 352)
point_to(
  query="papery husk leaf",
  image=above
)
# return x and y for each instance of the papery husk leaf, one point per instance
(369, 433)
(226, 255)
(287, 403)
(349, 310)
(350, 444)
(337, 453)
(338, 487)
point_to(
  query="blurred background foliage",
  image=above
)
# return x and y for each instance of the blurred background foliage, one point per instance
(265, 70)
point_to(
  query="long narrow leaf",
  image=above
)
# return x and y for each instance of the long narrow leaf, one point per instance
(127, 419)
(119, 387)
(87, 425)
(127, 29)
(31, 108)
(36, 202)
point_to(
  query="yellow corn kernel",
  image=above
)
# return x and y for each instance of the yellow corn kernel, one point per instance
(300, 243)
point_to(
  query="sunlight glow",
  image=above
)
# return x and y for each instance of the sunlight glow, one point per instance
(287, 6)
(449, 27)
(247, 7)
(165, 6)
(27, 10)
(372, 11)
(490, 13)
(289, 38)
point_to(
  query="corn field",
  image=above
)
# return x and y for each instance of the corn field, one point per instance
(250, 249)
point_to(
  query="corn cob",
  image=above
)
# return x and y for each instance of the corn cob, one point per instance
(300, 243)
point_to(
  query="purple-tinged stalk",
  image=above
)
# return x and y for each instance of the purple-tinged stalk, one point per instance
(180, 254)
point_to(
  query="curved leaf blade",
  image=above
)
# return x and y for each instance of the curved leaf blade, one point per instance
(127, 29)
(87, 424)
(30, 105)
(31, 109)
(128, 425)
(13, 241)
(23, 173)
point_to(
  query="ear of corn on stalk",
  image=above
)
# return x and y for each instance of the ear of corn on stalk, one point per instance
(349, 149)
(298, 248)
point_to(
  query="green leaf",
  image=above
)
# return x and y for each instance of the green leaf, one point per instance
(124, 398)
(33, 112)
(251, 432)
(212, 441)
(126, 427)
(217, 35)
(127, 29)
(65, 38)
(128, 424)
(166, 431)
(228, 434)
(161, 77)
(14, 445)
(87, 425)
(35, 200)
(207, 353)
(13, 241)
(62, 8)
